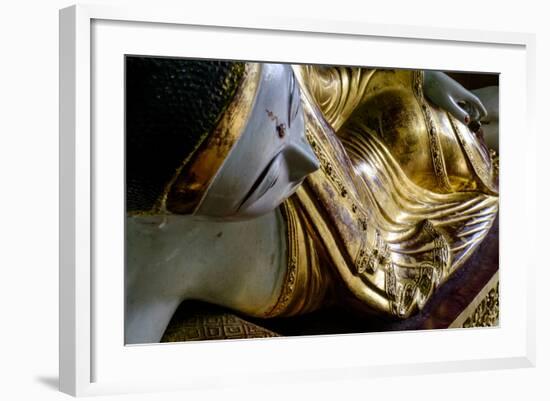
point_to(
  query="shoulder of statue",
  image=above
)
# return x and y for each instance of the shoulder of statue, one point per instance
(336, 90)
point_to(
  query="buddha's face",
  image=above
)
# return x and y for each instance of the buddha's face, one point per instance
(271, 158)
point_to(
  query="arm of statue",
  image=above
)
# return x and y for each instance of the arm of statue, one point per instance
(448, 94)
(489, 97)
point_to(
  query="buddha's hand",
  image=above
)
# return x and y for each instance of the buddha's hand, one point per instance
(448, 94)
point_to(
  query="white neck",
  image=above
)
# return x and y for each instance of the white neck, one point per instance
(239, 265)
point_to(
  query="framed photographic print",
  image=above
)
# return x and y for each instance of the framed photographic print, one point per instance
(253, 192)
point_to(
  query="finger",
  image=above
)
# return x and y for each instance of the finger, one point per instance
(474, 101)
(457, 111)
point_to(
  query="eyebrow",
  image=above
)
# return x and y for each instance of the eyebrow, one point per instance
(291, 96)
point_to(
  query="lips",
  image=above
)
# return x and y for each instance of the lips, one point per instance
(265, 181)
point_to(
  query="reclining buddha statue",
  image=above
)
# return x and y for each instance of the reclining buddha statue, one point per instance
(276, 190)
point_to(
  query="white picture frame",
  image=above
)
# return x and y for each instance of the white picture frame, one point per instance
(94, 361)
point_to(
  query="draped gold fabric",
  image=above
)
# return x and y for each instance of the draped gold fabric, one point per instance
(404, 194)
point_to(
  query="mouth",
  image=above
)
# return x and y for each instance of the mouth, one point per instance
(265, 181)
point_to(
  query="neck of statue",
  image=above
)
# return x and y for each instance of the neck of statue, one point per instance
(239, 265)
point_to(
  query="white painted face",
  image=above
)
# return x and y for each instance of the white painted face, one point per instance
(271, 158)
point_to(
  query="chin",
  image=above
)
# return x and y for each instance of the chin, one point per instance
(251, 213)
(258, 210)
(263, 206)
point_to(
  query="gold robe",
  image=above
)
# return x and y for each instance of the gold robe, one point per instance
(404, 195)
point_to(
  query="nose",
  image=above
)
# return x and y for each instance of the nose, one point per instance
(301, 160)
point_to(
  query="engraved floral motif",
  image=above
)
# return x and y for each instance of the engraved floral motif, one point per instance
(486, 314)
(435, 146)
